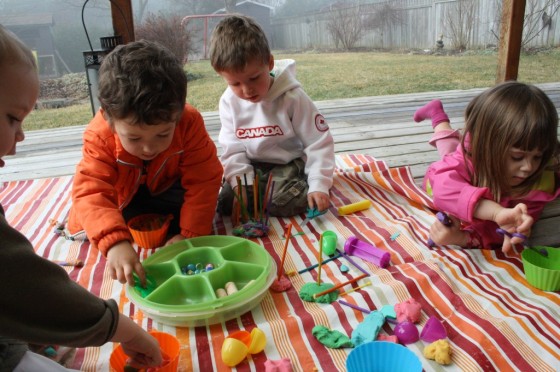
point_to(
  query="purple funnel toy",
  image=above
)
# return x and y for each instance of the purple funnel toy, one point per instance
(433, 330)
(366, 251)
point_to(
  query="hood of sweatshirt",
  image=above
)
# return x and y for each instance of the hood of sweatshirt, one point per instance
(284, 72)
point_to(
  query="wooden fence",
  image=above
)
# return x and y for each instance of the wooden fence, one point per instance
(418, 24)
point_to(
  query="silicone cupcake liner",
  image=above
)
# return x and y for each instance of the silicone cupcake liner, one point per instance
(170, 348)
(149, 230)
(382, 356)
(542, 272)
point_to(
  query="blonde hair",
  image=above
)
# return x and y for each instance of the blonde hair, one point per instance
(511, 114)
(236, 41)
(14, 51)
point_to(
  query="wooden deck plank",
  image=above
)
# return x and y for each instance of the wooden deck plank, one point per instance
(380, 126)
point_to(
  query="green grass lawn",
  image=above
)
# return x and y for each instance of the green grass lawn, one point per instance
(328, 76)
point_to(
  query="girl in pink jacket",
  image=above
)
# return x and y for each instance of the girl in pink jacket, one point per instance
(499, 174)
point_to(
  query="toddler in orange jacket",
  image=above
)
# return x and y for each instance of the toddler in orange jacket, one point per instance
(145, 151)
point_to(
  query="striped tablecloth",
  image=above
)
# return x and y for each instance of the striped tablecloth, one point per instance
(495, 320)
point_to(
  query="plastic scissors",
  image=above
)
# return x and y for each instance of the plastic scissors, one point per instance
(523, 237)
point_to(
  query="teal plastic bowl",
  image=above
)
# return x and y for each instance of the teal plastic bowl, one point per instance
(191, 300)
(382, 356)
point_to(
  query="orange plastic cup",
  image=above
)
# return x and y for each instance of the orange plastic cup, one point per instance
(170, 348)
(149, 230)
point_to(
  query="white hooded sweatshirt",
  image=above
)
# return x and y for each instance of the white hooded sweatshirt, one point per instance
(283, 126)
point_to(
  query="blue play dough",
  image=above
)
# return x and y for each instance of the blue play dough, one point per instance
(344, 268)
(368, 330)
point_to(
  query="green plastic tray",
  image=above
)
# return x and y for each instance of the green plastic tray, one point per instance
(190, 300)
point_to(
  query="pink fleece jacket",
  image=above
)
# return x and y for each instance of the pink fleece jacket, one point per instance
(452, 193)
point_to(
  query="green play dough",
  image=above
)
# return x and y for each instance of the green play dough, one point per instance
(331, 338)
(309, 289)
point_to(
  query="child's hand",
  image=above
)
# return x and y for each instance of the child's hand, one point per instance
(517, 220)
(175, 239)
(318, 200)
(123, 262)
(448, 235)
(516, 217)
(138, 344)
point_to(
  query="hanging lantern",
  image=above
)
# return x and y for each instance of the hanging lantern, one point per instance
(93, 59)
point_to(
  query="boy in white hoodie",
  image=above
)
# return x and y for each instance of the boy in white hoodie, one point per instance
(269, 124)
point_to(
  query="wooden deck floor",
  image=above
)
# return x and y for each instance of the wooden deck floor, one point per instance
(381, 126)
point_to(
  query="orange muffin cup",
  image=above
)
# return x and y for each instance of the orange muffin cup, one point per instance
(170, 348)
(149, 230)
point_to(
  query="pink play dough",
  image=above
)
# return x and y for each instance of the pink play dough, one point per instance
(408, 311)
(281, 285)
(282, 365)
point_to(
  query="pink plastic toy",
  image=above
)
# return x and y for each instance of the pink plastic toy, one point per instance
(366, 251)
(407, 333)
(433, 330)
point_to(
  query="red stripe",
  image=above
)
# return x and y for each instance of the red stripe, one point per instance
(499, 297)
(203, 349)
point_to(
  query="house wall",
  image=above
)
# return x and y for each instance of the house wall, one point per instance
(260, 13)
(39, 38)
(201, 37)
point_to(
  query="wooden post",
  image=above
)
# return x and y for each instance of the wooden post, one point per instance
(123, 21)
(513, 12)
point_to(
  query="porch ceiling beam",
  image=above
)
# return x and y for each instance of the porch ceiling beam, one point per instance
(513, 12)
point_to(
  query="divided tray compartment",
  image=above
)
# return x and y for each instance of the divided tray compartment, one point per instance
(190, 300)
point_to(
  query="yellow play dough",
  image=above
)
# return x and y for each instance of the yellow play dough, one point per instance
(440, 351)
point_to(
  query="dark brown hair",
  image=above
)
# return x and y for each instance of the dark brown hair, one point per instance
(142, 82)
(236, 41)
(511, 114)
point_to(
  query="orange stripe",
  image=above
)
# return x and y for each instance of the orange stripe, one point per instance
(185, 358)
(216, 340)
(289, 330)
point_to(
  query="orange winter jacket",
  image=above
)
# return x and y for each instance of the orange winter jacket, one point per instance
(108, 176)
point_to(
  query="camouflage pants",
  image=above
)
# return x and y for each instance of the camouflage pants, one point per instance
(290, 189)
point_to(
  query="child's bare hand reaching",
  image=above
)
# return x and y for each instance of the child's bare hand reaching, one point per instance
(514, 220)
(123, 263)
(448, 235)
(318, 200)
(140, 346)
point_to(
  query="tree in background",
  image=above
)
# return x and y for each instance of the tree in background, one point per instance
(167, 30)
(345, 25)
(384, 16)
(537, 19)
(459, 23)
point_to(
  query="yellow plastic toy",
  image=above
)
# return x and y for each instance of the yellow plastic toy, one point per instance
(354, 207)
(239, 344)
